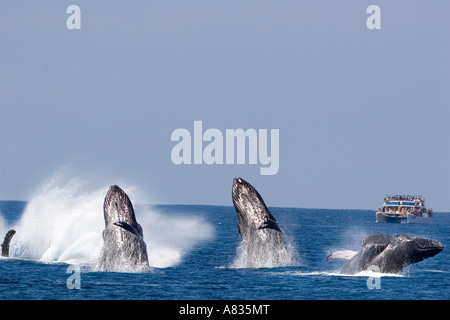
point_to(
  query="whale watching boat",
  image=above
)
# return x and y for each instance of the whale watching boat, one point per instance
(404, 209)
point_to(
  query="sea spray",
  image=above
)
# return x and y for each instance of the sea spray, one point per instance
(63, 222)
(277, 250)
(170, 237)
(3, 227)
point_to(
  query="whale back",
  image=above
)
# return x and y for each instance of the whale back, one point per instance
(391, 254)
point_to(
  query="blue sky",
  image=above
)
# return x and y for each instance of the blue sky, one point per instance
(361, 113)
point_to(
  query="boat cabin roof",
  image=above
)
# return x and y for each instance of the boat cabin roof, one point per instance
(404, 197)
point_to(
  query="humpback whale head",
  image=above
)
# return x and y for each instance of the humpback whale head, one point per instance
(118, 210)
(250, 208)
(124, 248)
(392, 253)
(263, 243)
(413, 249)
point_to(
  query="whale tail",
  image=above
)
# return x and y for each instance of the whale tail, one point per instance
(6, 241)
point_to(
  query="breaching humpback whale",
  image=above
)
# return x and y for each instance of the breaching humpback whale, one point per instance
(391, 254)
(263, 242)
(124, 249)
(6, 241)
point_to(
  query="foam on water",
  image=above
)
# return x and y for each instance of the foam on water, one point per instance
(63, 222)
(366, 274)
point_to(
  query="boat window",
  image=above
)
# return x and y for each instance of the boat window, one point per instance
(393, 203)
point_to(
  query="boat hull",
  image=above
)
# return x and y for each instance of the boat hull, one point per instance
(385, 218)
(417, 219)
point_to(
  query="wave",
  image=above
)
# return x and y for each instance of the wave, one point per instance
(63, 222)
(435, 271)
(365, 274)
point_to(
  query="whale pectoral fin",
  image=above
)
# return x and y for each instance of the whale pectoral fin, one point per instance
(269, 224)
(6, 241)
(127, 227)
(342, 254)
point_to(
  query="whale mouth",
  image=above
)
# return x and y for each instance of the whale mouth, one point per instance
(430, 246)
(423, 244)
(439, 247)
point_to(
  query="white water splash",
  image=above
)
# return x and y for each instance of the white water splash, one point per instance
(364, 274)
(3, 228)
(275, 250)
(170, 237)
(63, 222)
(2, 225)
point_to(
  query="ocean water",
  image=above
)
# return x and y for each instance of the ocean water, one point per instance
(193, 251)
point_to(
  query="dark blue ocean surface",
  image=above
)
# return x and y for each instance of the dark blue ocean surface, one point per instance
(190, 265)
